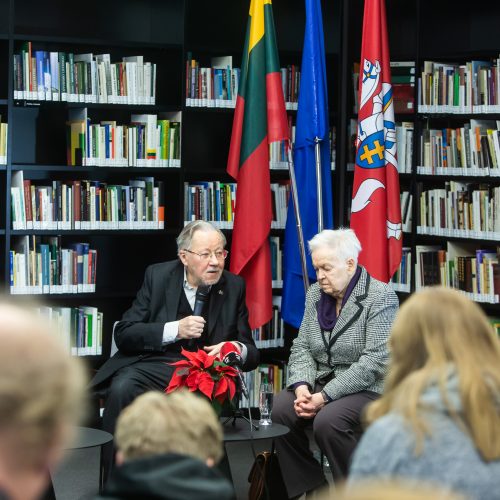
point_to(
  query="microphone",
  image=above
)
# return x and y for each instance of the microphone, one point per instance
(201, 299)
(232, 357)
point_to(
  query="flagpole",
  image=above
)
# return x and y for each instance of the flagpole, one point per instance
(300, 234)
(319, 190)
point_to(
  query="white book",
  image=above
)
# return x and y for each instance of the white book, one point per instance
(17, 193)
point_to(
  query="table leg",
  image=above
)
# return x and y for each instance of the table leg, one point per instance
(101, 466)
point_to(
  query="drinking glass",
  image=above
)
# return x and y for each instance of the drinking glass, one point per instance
(266, 394)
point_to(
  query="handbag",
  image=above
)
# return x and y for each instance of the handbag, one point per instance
(266, 471)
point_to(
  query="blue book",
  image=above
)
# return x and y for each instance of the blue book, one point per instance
(11, 267)
(40, 71)
(78, 248)
(44, 250)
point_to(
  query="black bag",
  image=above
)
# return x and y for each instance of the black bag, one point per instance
(266, 469)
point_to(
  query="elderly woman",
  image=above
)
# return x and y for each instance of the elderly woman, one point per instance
(337, 364)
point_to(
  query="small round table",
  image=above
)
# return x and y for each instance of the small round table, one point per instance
(87, 437)
(239, 430)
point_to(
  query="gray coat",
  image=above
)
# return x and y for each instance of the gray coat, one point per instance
(355, 351)
(449, 460)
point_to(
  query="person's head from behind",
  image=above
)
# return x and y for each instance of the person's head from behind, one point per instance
(334, 254)
(157, 423)
(41, 397)
(439, 332)
(389, 490)
(200, 247)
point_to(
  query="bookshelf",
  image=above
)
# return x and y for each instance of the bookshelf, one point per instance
(37, 147)
(453, 181)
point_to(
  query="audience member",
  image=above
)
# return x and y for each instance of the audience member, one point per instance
(439, 418)
(41, 397)
(337, 363)
(167, 447)
(389, 490)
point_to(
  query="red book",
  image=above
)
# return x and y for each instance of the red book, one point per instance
(404, 97)
(77, 201)
(27, 200)
(496, 278)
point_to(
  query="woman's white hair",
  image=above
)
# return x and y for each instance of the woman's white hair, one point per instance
(343, 242)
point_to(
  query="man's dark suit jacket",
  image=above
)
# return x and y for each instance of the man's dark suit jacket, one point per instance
(140, 332)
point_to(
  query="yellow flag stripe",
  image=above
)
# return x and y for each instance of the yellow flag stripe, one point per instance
(257, 22)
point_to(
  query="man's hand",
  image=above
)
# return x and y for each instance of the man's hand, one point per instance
(214, 350)
(191, 327)
(307, 405)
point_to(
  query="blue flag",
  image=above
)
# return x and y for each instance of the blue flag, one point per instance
(312, 122)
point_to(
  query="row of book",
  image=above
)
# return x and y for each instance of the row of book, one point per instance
(215, 201)
(78, 328)
(290, 81)
(215, 86)
(40, 265)
(271, 334)
(475, 271)
(278, 151)
(473, 147)
(472, 87)
(87, 204)
(275, 374)
(401, 280)
(149, 140)
(3, 142)
(460, 209)
(404, 144)
(63, 76)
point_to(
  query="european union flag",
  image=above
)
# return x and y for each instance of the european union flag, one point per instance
(312, 122)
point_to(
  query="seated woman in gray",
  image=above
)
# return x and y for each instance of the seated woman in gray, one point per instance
(439, 418)
(337, 363)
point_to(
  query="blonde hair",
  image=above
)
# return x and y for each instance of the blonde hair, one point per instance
(436, 329)
(389, 490)
(157, 423)
(41, 388)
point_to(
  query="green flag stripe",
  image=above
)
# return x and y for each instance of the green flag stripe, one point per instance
(254, 93)
(272, 61)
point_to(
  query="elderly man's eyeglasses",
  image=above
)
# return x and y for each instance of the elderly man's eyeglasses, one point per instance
(219, 254)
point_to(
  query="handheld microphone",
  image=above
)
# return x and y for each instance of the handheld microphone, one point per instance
(202, 294)
(201, 299)
(232, 357)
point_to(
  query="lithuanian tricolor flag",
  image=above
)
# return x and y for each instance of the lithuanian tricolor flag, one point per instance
(259, 118)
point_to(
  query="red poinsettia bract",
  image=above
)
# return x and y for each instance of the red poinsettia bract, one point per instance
(204, 373)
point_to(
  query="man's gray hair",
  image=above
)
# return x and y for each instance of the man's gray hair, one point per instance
(343, 242)
(186, 236)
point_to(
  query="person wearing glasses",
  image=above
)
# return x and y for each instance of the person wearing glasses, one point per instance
(160, 321)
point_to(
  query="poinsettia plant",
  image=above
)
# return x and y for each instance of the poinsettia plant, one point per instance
(205, 374)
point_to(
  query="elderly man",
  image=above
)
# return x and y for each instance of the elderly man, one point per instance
(41, 395)
(160, 322)
(337, 363)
